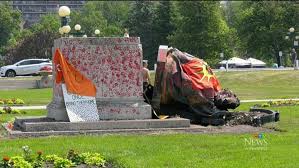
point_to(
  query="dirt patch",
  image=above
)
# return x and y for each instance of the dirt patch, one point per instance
(244, 118)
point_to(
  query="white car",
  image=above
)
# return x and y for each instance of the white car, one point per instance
(25, 67)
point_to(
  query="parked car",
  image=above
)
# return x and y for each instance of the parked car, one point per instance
(24, 67)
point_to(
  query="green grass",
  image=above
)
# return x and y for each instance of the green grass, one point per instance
(9, 117)
(246, 85)
(30, 96)
(188, 149)
(260, 84)
(180, 150)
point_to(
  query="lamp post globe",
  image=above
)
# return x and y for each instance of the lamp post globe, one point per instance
(291, 29)
(61, 31)
(66, 29)
(77, 27)
(64, 11)
(97, 32)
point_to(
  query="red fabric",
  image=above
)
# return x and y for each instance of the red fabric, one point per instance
(201, 75)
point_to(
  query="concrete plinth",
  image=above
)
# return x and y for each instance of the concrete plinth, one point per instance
(114, 65)
(40, 124)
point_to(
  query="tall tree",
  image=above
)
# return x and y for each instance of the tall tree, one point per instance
(263, 26)
(36, 42)
(10, 23)
(162, 23)
(48, 22)
(140, 23)
(200, 30)
(115, 12)
(90, 19)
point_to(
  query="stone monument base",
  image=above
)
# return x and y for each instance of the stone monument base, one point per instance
(43, 126)
(108, 110)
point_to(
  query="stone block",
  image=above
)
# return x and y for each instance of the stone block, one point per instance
(46, 124)
(114, 65)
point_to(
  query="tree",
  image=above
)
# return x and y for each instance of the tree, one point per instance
(48, 23)
(262, 30)
(162, 23)
(115, 12)
(140, 24)
(92, 18)
(89, 18)
(200, 30)
(36, 42)
(10, 20)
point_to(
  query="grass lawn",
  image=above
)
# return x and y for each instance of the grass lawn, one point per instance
(8, 117)
(30, 96)
(260, 84)
(180, 150)
(247, 85)
(191, 149)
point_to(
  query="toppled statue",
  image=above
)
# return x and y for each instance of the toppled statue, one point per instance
(185, 86)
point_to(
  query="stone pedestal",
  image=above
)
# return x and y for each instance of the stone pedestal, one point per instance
(114, 65)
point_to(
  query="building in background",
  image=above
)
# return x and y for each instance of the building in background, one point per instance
(33, 10)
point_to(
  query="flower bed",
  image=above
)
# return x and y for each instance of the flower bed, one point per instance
(9, 110)
(278, 103)
(74, 159)
(13, 101)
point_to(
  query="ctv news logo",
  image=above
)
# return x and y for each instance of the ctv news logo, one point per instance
(257, 141)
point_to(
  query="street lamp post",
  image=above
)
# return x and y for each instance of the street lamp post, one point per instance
(221, 57)
(280, 59)
(97, 32)
(293, 37)
(126, 34)
(64, 13)
(78, 32)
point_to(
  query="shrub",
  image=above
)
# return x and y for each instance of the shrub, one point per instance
(2, 111)
(10, 102)
(93, 159)
(5, 162)
(96, 160)
(7, 109)
(16, 111)
(62, 163)
(19, 162)
(51, 158)
(38, 162)
(19, 101)
(74, 157)
(27, 153)
(266, 105)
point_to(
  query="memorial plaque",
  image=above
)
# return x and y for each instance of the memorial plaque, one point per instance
(80, 108)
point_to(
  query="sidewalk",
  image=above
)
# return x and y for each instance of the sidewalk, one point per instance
(242, 101)
(29, 107)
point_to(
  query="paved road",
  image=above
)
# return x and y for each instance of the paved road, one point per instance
(242, 101)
